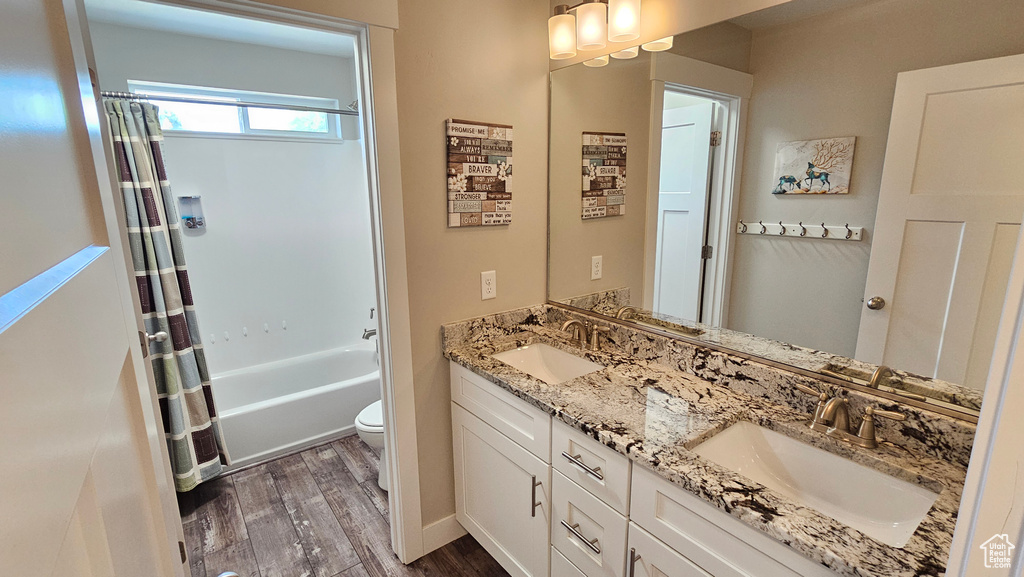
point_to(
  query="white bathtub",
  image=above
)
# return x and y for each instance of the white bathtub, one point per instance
(283, 406)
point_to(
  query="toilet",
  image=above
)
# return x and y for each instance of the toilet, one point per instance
(370, 426)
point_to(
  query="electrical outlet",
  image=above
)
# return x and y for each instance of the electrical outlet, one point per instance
(596, 267)
(488, 285)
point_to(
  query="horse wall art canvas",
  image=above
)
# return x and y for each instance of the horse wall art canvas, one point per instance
(814, 166)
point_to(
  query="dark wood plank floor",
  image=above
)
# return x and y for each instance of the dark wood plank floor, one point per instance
(319, 513)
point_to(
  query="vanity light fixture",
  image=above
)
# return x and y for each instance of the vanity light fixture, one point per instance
(591, 25)
(623, 20)
(630, 52)
(562, 34)
(658, 45)
(597, 62)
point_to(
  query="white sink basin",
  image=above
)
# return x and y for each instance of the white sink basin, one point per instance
(874, 503)
(551, 365)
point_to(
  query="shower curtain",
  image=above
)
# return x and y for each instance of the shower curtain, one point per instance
(191, 426)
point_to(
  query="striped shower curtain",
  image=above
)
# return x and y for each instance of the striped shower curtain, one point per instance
(190, 421)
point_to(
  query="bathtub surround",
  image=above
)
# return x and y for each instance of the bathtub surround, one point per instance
(191, 426)
(614, 406)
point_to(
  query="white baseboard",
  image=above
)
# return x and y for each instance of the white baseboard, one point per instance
(440, 533)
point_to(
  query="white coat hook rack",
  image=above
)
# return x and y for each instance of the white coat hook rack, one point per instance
(801, 230)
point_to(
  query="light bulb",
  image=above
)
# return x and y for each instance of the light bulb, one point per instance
(591, 26)
(658, 45)
(623, 20)
(597, 62)
(562, 36)
(630, 52)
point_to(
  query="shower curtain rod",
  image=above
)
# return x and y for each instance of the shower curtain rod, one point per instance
(133, 96)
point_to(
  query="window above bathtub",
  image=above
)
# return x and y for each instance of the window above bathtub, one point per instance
(223, 118)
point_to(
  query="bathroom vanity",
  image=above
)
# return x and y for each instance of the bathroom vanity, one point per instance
(621, 468)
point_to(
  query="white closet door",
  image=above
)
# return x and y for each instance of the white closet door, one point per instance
(949, 212)
(682, 209)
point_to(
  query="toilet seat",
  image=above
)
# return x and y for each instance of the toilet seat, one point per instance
(371, 419)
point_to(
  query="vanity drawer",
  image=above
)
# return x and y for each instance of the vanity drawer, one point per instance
(717, 542)
(605, 557)
(561, 567)
(525, 424)
(572, 452)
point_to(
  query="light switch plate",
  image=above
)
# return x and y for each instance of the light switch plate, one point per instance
(596, 267)
(488, 285)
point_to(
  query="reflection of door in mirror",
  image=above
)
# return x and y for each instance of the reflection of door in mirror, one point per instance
(682, 205)
(948, 219)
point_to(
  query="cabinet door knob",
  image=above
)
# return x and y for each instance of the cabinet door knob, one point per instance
(876, 303)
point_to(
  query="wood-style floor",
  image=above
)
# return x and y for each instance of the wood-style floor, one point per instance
(315, 514)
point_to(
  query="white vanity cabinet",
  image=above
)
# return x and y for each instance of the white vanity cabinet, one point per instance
(502, 473)
(544, 499)
(649, 557)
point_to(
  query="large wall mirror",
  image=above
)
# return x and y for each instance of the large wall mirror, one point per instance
(744, 189)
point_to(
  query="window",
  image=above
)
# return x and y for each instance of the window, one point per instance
(176, 116)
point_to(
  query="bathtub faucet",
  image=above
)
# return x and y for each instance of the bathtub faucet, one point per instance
(367, 333)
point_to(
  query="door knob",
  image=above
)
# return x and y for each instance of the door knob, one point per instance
(158, 337)
(876, 303)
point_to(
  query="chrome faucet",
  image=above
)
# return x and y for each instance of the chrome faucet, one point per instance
(579, 331)
(627, 310)
(367, 333)
(832, 417)
(880, 373)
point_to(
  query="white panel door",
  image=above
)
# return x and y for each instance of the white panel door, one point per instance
(85, 488)
(949, 211)
(682, 207)
(502, 495)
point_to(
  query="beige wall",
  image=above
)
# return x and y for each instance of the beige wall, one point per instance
(723, 44)
(615, 98)
(483, 61)
(835, 75)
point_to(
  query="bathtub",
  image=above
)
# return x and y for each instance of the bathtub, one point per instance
(283, 406)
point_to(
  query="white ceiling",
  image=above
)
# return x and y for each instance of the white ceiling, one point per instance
(153, 16)
(793, 11)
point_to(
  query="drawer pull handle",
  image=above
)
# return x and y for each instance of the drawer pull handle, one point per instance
(533, 498)
(575, 460)
(633, 558)
(575, 530)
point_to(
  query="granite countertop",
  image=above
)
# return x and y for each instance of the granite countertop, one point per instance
(655, 415)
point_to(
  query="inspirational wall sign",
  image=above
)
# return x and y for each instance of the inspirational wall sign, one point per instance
(604, 174)
(479, 173)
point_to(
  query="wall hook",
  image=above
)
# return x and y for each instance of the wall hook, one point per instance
(744, 225)
(803, 229)
(849, 233)
(824, 233)
(782, 232)
(764, 229)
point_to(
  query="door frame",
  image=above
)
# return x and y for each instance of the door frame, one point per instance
(378, 91)
(731, 89)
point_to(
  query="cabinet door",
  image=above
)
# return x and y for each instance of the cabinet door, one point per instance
(648, 557)
(502, 495)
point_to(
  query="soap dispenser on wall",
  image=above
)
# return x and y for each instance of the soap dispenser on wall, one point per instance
(191, 209)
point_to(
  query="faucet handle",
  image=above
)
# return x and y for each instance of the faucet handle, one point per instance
(867, 426)
(810, 391)
(886, 414)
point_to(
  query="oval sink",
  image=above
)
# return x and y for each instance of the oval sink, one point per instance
(551, 365)
(878, 505)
